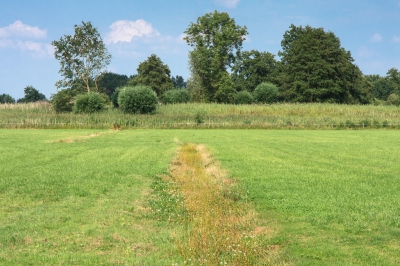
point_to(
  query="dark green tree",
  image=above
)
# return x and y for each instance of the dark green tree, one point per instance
(82, 56)
(179, 82)
(6, 98)
(155, 74)
(110, 81)
(216, 42)
(315, 68)
(381, 86)
(32, 95)
(252, 68)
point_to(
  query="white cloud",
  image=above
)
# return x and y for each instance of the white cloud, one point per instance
(396, 38)
(126, 30)
(20, 36)
(376, 38)
(19, 29)
(364, 52)
(227, 3)
(38, 48)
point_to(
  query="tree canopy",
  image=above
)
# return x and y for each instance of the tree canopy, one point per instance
(6, 98)
(216, 41)
(82, 56)
(179, 82)
(110, 81)
(315, 68)
(32, 95)
(155, 74)
(253, 68)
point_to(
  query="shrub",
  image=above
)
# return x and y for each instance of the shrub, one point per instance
(393, 99)
(266, 93)
(91, 102)
(175, 96)
(62, 101)
(139, 99)
(114, 97)
(243, 97)
(6, 98)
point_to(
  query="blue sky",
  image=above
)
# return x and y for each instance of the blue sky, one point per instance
(134, 29)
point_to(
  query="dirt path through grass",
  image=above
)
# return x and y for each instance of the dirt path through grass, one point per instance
(221, 227)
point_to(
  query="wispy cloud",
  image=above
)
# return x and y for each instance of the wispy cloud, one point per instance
(39, 49)
(21, 30)
(126, 30)
(376, 38)
(396, 38)
(364, 51)
(227, 3)
(24, 38)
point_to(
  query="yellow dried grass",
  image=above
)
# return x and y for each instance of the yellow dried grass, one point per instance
(220, 230)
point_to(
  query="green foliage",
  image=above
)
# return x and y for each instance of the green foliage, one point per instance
(194, 86)
(137, 100)
(384, 86)
(155, 74)
(82, 56)
(179, 82)
(217, 41)
(226, 90)
(243, 97)
(266, 93)
(6, 98)
(315, 68)
(252, 68)
(114, 97)
(175, 96)
(393, 99)
(32, 95)
(62, 101)
(91, 102)
(111, 81)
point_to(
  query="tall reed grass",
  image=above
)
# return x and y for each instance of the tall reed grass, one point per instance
(201, 115)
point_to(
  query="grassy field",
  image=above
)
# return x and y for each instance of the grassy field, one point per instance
(80, 197)
(197, 115)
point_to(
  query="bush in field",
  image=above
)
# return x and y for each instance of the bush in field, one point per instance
(226, 91)
(243, 97)
(62, 101)
(266, 93)
(140, 99)
(175, 96)
(114, 97)
(91, 102)
(6, 98)
(393, 99)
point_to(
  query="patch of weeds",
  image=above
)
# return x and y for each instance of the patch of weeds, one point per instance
(166, 202)
(199, 118)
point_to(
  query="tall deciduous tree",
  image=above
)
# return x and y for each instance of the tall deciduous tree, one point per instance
(155, 74)
(217, 41)
(253, 68)
(82, 56)
(315, 68)
(32, 95)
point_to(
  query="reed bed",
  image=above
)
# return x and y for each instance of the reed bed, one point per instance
(201, 115)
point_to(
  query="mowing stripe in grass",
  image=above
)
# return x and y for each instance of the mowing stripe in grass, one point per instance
(220, 228)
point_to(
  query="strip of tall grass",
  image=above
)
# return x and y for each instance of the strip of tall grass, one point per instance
(200, 115)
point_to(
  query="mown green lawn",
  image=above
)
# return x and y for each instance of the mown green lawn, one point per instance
(329, 197)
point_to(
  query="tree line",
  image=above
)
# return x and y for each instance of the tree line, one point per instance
(312, 67)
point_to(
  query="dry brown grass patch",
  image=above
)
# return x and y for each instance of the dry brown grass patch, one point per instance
(221, 229)
(82, 138)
